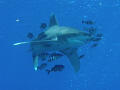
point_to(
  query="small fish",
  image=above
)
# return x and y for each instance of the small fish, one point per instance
(99, 35)
(42, 66)
(54, 56)
(91, 39)
(81, 56)
(56, 68)
(30, 35)
(97, 39)
(91, 30)
(43, 56)
(94, 45)
(88, 22)
(43, 26)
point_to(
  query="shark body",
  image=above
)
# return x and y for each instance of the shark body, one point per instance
(56, 38)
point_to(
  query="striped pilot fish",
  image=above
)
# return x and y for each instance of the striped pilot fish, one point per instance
(54, 56)
(42, 66)
(43, 56)
(56, 68)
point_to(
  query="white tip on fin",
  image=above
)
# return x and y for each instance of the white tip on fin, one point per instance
(53, 40)
(35, 63)
(21, 43)
(35, 68)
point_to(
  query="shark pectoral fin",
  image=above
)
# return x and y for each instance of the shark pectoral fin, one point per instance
(21, 43)
(35, 61)
(73, 57)
(53, 40)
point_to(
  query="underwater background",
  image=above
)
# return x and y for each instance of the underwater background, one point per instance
(100, 68)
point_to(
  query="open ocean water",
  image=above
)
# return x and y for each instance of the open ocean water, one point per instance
(100, 68)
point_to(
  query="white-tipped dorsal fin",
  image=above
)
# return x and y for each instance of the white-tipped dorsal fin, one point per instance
(53, 21)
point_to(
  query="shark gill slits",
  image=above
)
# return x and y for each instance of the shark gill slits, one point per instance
(30, 35)
(43, 26)
(56, 68)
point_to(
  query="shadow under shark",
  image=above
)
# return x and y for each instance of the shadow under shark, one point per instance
(56, 38)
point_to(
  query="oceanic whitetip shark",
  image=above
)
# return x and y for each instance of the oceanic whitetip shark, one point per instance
(56, 38)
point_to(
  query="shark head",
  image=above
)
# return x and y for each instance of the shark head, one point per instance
(56, 38)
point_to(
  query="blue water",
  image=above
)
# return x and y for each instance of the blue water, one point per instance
(100, 68)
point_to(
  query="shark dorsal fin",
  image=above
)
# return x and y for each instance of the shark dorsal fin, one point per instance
(53, 21)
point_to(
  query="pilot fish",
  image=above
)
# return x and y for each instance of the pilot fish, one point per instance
(88, 22)
(43, 26)
(56, 68)
(94, 45)
(81, 56)
(43, 56)
(59, 38)
(99, 35)
(42, 66)
(30, 35)
(54, 56)
(91, 30)
(97, 39)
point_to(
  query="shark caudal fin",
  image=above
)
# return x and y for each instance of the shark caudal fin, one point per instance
(53, 21)
(73, 57)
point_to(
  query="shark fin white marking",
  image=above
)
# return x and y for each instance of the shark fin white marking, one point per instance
(73, 57)
(35, 62)
(53, 40)
(21, 43)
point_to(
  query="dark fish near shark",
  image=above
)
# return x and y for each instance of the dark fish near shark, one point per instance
(97, 39)
(94, 45)
(30, 35)
(91, 30)
(99, 35)
(42, 66)
(88, 22)
(56, 68)
(81, 56)
(54, 56)
(43, 56)
(43, 26)
(56, 38)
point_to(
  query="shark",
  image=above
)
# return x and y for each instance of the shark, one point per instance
(59, 38)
